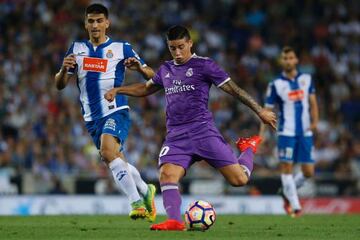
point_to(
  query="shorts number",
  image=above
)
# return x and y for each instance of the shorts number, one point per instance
(164, 151)
(289, 153)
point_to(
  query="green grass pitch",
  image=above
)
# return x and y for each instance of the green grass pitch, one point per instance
(226, 227)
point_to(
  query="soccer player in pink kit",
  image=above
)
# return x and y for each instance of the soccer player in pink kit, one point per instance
(191, 132)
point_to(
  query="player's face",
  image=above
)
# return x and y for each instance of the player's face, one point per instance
(96, 25)
(288, 61)
(180, 49)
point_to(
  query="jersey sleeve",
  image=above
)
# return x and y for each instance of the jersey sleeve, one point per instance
(271, 95)
(312, 86)
(130, 52)
(157, 79)
(70, 51)
(215, 74)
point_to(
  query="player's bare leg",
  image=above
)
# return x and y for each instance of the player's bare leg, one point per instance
(235, 175)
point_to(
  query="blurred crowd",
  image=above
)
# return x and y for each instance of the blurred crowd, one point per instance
(42, 129)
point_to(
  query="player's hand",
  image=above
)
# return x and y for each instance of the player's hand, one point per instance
(268, 117)
(69, 62)
(110, 95)
(132, 63)
(313, 127)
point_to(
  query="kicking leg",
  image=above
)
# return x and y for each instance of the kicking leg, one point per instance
(239, 174)
(248, 147)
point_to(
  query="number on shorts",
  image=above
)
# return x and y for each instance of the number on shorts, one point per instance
(164, 151)
(289, 153)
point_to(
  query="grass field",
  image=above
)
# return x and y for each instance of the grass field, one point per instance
(226, 227)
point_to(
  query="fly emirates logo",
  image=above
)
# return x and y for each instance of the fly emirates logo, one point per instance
(95, 64)
(178, 87)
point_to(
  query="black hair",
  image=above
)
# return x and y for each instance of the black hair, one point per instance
(177, 32)
(97, 8)
(288, 49)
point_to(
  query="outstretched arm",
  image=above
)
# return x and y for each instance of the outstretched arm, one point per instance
(134, 90)
(266, 115)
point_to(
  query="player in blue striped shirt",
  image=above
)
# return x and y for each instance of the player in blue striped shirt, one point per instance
(294, 93)
(98, 65)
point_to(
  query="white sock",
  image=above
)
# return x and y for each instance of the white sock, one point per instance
(299, 179)
(139, 182)
(290, 192)
(123, 180)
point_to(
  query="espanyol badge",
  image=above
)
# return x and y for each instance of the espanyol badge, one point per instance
(109, 54)
(189, 72)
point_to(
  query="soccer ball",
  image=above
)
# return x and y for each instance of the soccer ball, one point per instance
(200, 216)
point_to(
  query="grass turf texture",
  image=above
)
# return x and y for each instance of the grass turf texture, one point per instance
(226, 227)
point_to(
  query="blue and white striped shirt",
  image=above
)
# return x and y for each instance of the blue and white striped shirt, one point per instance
(98, 70)
(292, 97)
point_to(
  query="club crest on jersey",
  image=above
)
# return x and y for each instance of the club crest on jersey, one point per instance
(95, 64)
(109, 54)
(189, 72)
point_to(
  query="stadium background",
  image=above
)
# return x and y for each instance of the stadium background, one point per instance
(44, 146)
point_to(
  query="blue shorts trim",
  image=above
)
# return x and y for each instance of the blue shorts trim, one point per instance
(116, 124)
(295, 149)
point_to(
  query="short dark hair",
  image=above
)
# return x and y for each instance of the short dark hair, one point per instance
(177, 32)
(97, 8)
(288, 49)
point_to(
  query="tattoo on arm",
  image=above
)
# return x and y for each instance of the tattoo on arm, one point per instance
(233, 89)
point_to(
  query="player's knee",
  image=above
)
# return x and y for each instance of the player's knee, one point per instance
(238, 181)
(308, 174)
(166, 177)
(308, 171)
(107, 155)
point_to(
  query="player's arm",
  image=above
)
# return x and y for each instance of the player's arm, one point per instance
(263, 127)
(134, 64)
(62, 77)
(134, 90)
(314, 111)
(147, 72)
(267, 116)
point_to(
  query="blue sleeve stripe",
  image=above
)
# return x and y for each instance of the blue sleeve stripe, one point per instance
(271, 98)
(312, 87)
(129, 52)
